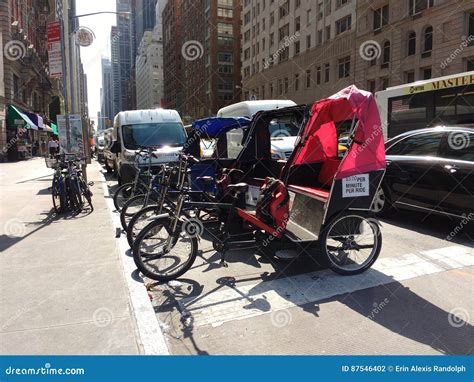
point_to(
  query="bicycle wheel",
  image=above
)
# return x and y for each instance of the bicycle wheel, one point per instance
(75, 195)
(125, 192)
(152, 258)
(56, 195)
(87, 193)
(351, 243)
(132, 206)
(140, 220)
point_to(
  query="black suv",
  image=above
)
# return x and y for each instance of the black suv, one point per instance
(429, 170)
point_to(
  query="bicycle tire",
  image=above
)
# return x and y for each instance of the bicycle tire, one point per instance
(139, 221)
(125, 192)
(133, 206)
(146, 233)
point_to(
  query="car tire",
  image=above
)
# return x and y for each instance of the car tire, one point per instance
(382, 205)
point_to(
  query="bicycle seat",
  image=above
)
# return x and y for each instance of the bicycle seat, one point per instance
(239, 188)
(206, 180)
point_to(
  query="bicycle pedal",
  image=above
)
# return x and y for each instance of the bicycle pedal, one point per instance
(224, 264)
(118, 232)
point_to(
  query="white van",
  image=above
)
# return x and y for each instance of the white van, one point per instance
(159, 129)
(283, 134)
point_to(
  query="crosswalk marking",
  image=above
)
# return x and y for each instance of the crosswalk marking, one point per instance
(241, 302)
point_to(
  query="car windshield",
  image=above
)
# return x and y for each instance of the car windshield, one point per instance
(153, 135)
(280, 129)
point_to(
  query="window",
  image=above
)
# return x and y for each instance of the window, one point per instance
(465, 152)
(308, 41)
(371, 86)
(426, 73)
(318, 75)
(284, 9)
(411, 44)
(344, 66)
(381, 16)
(297, 24)
(418, 145)
(326, 73)
(328, 32)
(308, 78)
(224, 12)
(225, 29)
(471, 25)
(386, 53)
(286, 85)
(470, 64)
(417, 6)
(247, 18)
(340, 3)
(225, 57)
(428, 39)
(343, 24)
(409, 77)
(284, 31)
(297, 48)
(384, 83)
(297, 82)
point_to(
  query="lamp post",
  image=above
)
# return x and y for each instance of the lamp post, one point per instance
(67, 75)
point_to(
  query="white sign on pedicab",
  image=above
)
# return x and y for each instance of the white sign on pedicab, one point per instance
(357, 185)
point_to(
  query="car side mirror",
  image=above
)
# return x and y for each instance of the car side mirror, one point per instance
(116, 147)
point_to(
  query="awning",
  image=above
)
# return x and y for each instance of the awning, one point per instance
(36, 119)
(16, 119)
(47, 128)
(54, 128)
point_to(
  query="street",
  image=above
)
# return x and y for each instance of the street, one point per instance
(417, 299)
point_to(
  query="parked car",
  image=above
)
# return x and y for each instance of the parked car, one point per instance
(429, 170)
(159, 129)
(109, 157)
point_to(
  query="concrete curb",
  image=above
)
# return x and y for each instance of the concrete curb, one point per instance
(149, 332)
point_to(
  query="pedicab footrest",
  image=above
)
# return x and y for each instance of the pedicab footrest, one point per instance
(252, 219)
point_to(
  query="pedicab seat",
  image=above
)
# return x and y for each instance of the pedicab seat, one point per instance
(312, 192)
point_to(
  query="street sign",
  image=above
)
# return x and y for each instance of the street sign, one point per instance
(54, 49)
(84, 37)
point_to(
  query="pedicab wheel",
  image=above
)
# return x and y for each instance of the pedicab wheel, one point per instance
(154, 261)
(350, 243)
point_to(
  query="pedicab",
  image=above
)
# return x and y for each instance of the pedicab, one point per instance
(320, 196)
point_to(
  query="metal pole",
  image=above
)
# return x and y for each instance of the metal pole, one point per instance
(59, 5)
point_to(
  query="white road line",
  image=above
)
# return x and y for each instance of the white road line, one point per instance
(151, 336)
(237, 303)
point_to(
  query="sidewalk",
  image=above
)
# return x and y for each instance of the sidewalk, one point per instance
(62, 289)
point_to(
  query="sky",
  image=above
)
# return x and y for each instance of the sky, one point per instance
(91, 56)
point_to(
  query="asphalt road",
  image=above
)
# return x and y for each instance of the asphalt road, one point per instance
(417, 299)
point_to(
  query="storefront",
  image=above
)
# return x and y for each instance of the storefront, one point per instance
(21, 133)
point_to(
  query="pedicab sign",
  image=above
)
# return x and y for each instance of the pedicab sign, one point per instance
(357, 185)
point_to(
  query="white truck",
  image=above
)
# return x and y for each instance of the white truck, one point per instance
(159, 129)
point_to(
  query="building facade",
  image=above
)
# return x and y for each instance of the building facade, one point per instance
(172, 57)
(207, 52)
(306, 50)
(25, 85)
(106, 96)
(126, 55)
(115, 64)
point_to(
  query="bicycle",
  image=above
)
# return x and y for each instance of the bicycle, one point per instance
(140, 183)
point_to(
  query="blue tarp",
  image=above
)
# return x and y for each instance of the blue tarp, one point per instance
(213, 127)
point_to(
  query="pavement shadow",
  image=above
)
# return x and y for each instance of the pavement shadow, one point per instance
(443, 227)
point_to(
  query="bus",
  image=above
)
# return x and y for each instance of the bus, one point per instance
(439, 101)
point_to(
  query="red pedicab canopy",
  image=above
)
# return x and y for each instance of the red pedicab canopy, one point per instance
(319, 138)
